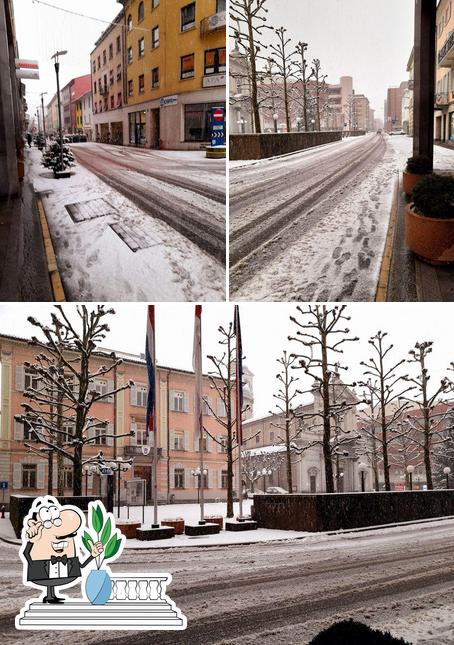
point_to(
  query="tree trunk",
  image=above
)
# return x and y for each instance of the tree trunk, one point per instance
(326, 418)
(254, 93)
(427, 431)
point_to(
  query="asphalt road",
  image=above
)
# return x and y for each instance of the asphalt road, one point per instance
(195, 203)
(283, 592)
(276, 202)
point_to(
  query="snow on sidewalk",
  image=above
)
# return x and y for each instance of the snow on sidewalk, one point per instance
(97, 265)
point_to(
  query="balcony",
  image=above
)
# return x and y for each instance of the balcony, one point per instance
(216, 22)
(443, 99)
(446, 53)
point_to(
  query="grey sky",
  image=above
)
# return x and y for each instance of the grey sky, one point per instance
(265, 330)
(41, 31)
(366, 39)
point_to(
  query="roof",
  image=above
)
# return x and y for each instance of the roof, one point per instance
(266, 450)
(81, 85)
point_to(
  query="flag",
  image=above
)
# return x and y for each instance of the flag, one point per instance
(197, 366)
(239, 375)
(150, 354)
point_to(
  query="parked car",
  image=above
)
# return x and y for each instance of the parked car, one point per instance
(250, 493)
(276, 490)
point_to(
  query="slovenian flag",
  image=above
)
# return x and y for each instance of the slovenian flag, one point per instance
(239, 375)
(197, 366)
(150, 354)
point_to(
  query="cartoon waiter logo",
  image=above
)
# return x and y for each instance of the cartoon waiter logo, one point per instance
(59, 549)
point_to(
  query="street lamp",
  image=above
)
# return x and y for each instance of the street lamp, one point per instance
(44, 121)
(362, 471)
(242, 122)
(265, 472)
(275, 119)
(120, 466)
(57, 70)
(410, 471)
(298, 123)
(313, 125)
(447, 472)
(198, 473)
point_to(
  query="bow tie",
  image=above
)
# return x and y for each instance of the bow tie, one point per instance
(54, 559)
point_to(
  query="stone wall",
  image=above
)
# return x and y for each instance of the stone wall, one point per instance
(262, 146)
(324, 512)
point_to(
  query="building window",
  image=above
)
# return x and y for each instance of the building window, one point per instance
(223, 444)
(104, 57)
(155, 37)
(220, 5)
(29, 475)
(118, 72)
(101, 386)
(188, 17)
(257, 438)
(155, 77)
(99, 63)
(111, 78)
(112, 102)
(215, 61)
(140, 12)
(187, 66)
(129, 55)
(68, 477)
(100, 438)
(141, 434)
(29, 433)
(141, 44)
(31, 379)
(197, 125)
(94, 66)
(205, 406)
(110, 51)
(142, 391)
(129, 23)
(179, 478)
(69, 431)
(271, 436)
(95, 87)
(119, 99)
(178, 402)
(224, 479)
(118, 44)
(178, 441)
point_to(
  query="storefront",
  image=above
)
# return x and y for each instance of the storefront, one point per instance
(137, 128)
(197, 126)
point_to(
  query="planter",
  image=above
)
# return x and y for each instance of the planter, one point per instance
(128, 528)
(430, 238)
(98, 587)
(177, 524)
(215, 519)
(410, 181)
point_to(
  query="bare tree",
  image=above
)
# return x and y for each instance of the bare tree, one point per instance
(370, 446)
(320, 330)
(387, 404)
(249, 16)
(350, 107)
(431, 425)
(58, 409)
(319, 89)
(405, 450)
(255, 461)
(302, 68)
(283, 59)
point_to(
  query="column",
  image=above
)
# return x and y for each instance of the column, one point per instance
(9, 182)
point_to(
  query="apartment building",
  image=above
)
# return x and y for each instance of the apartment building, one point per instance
(393, 113)
(175, 71)
(444, 93)
(108, 82)
(27, 473)
(52, 115)
(361, 113)
(84, 115)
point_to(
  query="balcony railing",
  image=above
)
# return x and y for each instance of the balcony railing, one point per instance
(442, 99)
(446, 53)
(213, 23)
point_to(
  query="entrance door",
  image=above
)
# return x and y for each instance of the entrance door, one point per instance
(145, 472)
(313, 483)
(155, 134)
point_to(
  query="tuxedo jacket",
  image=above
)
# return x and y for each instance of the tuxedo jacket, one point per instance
(39, 569)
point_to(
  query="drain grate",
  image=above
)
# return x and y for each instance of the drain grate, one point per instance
(84, 211)
(136, 240)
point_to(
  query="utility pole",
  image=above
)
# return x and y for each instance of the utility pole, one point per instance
(57, 70)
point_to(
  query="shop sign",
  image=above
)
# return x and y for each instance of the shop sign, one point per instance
(214, 80)
(169, 100)
(27, 68)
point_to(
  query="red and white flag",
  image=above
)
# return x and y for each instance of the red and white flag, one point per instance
(150, 354)
(197, 366)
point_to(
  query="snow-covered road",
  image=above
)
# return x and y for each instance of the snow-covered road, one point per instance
(400, 579)
(311, 226)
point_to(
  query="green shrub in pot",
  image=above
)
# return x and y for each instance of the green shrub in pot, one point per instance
(419, 165)
(434, 197)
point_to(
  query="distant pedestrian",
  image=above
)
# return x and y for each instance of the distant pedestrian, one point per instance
(29, 139)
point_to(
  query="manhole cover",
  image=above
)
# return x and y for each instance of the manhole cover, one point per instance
(83, 211)
(135, 240)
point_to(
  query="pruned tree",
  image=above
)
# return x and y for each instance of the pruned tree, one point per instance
(350, 107)
(58, 411)
(370, 445)
(405, 450)
(386, 403)
(320, 331)
(319, 89)
(283, 59)
(301, 66)
(248, 20)
(256, 461)
(433, 424)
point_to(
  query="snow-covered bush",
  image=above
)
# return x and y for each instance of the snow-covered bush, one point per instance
(52, 157)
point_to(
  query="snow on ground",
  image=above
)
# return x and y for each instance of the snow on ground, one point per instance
(97, 265)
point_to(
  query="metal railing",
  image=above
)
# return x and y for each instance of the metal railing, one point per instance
(442, 98)
(213, 23)
(449, 44)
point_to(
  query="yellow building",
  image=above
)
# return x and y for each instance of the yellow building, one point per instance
(175, 64)
(444, 93)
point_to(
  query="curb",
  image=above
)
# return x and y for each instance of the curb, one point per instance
(52, 267)
(381, 294)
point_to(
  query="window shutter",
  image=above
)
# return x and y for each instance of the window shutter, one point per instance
(133, 395)
(196, 444)
(40, 475)
(17, 476)
(76, 388)
(55, 477)
(214, 479)
(110, 387)
(109, 430)
(220, 408)
(172, 476)
(209, 443)
(18, 431)
(172, 440)
(186, 403)
(172, 400)
(187, 478)
(186, 441)
(133, 440)
(209, 406)
(20, 378)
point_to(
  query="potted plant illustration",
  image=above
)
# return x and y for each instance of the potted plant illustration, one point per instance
(417, 168)
(429, 220)
(98, 585)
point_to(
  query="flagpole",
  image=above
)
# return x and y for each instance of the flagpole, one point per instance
(152, 369)
(198, 420)
(239, 421)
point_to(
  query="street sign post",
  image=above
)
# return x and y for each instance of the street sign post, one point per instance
(3, 487)
(217, 126)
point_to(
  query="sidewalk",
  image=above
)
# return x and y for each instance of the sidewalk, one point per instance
(24, 274)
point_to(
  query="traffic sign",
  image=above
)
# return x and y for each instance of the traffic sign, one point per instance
(217, 126)
(3, 485)
(106, 471)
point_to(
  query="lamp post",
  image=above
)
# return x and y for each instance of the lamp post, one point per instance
(447, 472)
(242, 122)
(119, 466)
(362, 471)
(198, 473)
(410, 471)
(298, 123)
(86, 470)
(275, 119)
(265, 472)
(146, 451)
(313, 125)
(44, 121)
(57, 70)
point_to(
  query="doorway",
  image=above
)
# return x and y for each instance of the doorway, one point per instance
(155, 134)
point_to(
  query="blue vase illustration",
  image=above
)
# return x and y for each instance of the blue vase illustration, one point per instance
(98, 587)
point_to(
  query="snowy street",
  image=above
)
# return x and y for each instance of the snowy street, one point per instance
(400, 578)
(311, 226)
(121, 234)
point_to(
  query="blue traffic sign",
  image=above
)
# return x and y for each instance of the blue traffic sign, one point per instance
(217, 126)
(106, 471)
(3, 485)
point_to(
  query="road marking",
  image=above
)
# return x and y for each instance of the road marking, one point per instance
(385, 269)
(52, 266)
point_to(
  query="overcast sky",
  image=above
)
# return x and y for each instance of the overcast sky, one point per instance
(368, 40)
(42, 30)
(265, 329)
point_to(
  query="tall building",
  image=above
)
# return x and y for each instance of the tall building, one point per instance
(52, 115)
(393, 114)
(444, 96)
(241, 117)
(361, 113)
(27, 472)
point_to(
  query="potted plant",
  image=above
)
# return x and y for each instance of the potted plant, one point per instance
(417, 168)
(98, 585)
(429, 220)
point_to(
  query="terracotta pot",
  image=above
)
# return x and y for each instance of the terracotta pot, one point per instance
(215, 519)
(128, 528)
(177, 524)
(430, 238)
(410, 181)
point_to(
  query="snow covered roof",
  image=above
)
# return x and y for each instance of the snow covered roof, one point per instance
(266, 450)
